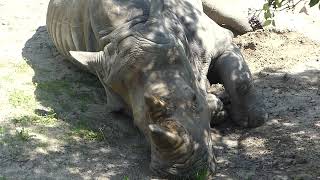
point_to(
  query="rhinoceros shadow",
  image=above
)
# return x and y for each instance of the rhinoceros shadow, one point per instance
(78, 99)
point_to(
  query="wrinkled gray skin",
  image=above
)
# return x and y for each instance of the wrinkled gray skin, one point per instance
(153, 59)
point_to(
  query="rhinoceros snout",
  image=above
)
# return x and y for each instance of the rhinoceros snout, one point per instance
(189, 169)
(175, 154)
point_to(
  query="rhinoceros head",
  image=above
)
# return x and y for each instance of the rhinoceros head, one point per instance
(177, 114)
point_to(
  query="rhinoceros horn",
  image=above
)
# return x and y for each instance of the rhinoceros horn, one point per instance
(157, 107)
(163, 139)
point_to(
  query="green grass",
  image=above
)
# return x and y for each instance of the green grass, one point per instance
(84, 100)
(3, 65)
(2, 135)
(81, 130)
(87, 134)
(3, 178)
(23, 135)
(52, 89)
(43, 144)
(48, 119)
(201, 175)
(19, 98)
(7, 78)
(56, 87)
(2, 130)
(21, 67)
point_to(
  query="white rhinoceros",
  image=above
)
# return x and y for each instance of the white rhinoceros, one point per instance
(154, 58)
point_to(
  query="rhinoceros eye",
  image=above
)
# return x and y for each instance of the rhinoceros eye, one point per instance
(194, 97)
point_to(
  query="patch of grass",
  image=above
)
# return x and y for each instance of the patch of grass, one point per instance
(3, 65)
(21, 67)
(64, 90)
(57, 87)
(43, 144)
(7, 78)
(201, 175)
(88, 134)
(19, 98)
(23, 135)
(48, 119)
(126, 178)
(88, 80)
(3, 178)
(2, 130)
(84, 100)
(2, 135)
(82, 131)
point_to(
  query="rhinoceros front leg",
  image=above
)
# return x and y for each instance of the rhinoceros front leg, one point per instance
(218, 112)
(230, 69)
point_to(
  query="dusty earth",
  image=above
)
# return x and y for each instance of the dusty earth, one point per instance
(54, 125)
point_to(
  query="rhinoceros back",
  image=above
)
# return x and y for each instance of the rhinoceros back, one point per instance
(77, 25)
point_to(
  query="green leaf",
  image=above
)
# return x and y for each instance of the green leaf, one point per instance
(313, 2)
(275, 4)
(278, 3)
(267, 14)
(266, 7)
(267, 22)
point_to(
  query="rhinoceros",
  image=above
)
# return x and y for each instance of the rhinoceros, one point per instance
(154, 59)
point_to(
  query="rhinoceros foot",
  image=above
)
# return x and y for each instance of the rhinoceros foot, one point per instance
(218, 112)
(251, 113)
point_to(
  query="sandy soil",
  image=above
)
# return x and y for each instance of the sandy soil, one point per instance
(54, 125)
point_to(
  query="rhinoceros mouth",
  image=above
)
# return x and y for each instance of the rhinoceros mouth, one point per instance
(186, 169)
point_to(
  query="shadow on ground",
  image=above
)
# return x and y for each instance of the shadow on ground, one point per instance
(78, 99)
(285, 147)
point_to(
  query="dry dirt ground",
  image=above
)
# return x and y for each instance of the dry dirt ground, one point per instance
(54, 125)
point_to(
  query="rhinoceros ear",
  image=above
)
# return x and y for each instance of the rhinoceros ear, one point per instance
(85, 58)
(163, 139)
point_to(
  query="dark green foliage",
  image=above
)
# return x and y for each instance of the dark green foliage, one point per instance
(278, 5)
(313, 3)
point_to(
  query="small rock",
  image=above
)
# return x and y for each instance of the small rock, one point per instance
(289, 161)
(303, 177)
(301, 160)
(250, 45)
(280, 177)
